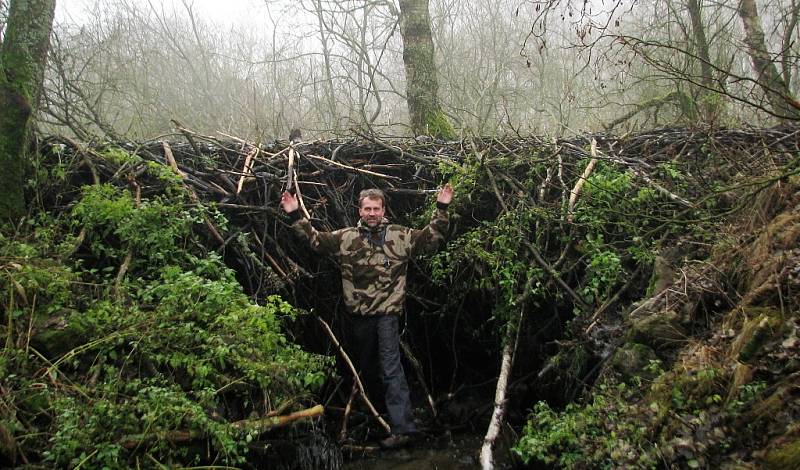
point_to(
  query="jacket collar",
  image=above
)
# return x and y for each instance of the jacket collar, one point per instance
(374, 235)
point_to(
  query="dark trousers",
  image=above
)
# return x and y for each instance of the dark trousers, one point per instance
(381, 334)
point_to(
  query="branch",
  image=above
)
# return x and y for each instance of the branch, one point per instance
(356, 378)
(261, 425)
(576, 191)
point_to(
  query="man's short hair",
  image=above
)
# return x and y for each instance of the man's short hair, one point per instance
(371, 193)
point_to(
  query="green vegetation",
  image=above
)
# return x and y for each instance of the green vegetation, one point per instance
(617, 226)
(127, 341)
(121, 333)
(667, 395)
(681, 417)
(599, 434)
(786, 456)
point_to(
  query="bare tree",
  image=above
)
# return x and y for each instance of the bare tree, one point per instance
(358, 52)
(332, 65)
(22, 61)
(701, 45)
(776, 89)
(789, 14)
(179, 67)
(3, 18)
(329, 100)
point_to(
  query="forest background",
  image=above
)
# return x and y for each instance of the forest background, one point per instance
(554, 68)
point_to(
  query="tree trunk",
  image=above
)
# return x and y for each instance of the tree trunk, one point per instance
(422, 85)
(22, 61)
(700, 42)
(788, 40)
(708, 105)
(498, 414)
(783, 104)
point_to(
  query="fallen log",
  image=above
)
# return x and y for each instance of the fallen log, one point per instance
(260, 425)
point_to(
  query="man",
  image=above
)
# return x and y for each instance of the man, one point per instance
(374, 259)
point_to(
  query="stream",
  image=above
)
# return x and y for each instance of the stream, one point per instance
(444, 452)
(440, 453)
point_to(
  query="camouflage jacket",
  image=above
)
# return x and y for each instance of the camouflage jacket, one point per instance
(374, 262)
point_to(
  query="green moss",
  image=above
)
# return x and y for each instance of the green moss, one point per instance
(632, 360)
(686, 390)
(763, 326)
(784, 457)
(661, 277)
(64, 336)
(439, 126)
(660, 331)
(120, 157)
(14, 125)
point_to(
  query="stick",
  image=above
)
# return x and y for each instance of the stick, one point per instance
(347, 409)
(355, 375)
(352, 168)
(272, 422)
(420, 376)
(300, 199)
(192, 194)
(576, 191)
(247, 169)
(171, 160)
(126, 262)
(486, 457)
(188, 134)
(560, 174)
(290, 170)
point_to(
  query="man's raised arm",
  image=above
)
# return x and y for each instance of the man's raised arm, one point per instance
(321, 242)
(428, 238)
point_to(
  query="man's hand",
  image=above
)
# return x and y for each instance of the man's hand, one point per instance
(445, 195)
(289, 202)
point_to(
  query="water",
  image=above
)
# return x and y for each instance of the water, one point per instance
(441, 453)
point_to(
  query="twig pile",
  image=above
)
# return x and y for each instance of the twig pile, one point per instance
(244, 179)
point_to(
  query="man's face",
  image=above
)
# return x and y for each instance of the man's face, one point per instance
(371, 211)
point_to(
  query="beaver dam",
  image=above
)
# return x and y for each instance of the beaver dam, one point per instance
(599, 302)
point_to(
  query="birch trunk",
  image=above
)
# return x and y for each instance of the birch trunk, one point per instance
(487, 456)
